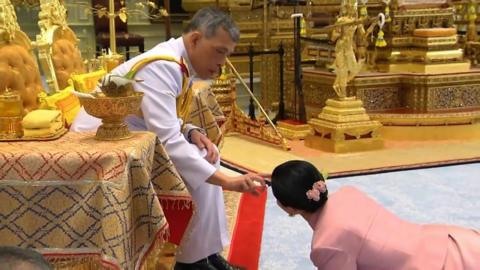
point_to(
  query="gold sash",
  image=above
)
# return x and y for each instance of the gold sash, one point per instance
(186, 95)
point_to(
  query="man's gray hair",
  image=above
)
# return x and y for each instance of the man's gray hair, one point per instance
(11, 258)
(208, 19)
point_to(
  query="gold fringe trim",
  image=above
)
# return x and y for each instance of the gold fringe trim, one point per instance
(89, 262)
(154, 259)
(177, 204)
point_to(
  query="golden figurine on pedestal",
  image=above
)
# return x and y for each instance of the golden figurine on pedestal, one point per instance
(343, 125)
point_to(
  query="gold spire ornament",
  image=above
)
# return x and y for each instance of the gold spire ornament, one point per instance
(387, 11)
(380, 42)
(363, 12)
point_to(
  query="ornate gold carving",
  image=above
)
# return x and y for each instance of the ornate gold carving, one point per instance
(454, 97)
(52, 13)
(378, 99)
(414, 93)
(293, 130)
(344, 126)
(8, 22)
(112, 111)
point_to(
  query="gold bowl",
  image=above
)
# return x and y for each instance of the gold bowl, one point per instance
(112, 111)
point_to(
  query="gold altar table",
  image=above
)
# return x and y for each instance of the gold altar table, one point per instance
(88, 204)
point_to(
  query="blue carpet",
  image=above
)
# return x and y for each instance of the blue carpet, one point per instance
(437, 195)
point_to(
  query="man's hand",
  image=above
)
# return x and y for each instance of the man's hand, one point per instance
(203, 142)
(251, 182)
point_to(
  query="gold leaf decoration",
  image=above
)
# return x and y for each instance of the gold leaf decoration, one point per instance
(152, 4)
(122, 14)
(102, 12)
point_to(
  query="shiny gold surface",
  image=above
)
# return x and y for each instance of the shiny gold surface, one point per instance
(344, 126)
(11, 114)
(294, 131)
(111, 61)
(112, 111)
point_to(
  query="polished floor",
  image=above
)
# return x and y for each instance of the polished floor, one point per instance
(436, 195)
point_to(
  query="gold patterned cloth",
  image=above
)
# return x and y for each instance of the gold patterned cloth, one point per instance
(205, 112)
(79, 197)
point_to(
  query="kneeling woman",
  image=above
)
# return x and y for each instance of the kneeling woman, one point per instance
(353, 231)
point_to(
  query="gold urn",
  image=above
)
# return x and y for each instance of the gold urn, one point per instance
(112, 110)
(11, 114)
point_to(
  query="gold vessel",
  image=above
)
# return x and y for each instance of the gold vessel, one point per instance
(111, 61)
(112, 111)
(11, 113)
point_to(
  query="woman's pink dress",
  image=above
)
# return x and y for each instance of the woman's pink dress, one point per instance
(353, 231)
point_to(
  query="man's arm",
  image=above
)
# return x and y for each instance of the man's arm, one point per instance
(161, 86)
(250, 182)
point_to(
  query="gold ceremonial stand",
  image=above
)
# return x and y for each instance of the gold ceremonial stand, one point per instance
(344, 126)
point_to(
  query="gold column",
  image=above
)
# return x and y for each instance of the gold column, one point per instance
(111, 18)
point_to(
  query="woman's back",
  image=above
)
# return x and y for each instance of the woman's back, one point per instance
(353, 231)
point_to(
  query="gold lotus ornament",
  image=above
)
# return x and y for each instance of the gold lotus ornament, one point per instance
(112, 105)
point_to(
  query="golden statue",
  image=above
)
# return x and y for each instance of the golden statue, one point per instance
(345, 64)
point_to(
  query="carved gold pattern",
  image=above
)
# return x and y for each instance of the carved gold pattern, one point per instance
(378, 99)
(459, 96)
(112, 111)
(8, 21)
(52, 23)
(294, 131)
(344, 126)
(416, 93)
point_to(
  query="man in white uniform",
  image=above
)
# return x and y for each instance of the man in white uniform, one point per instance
(206, 42)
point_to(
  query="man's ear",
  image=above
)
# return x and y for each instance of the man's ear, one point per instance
(195, 38)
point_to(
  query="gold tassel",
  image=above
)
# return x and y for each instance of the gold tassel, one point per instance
(303, 29)
(387, 14)
(363, 11)
(472, 12)
(380, 40)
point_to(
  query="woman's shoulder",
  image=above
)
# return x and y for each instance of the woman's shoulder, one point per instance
(349, 200)
(350, 191)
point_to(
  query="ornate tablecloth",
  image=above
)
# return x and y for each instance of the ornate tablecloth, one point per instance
(79, 197)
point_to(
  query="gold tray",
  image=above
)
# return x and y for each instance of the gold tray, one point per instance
(55, 136)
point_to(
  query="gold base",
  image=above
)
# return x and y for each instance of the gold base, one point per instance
(329, 145)
(294, 131)
(344, 126)
(431, 133)
(427, 119)
(11, 127)
(112, 131)
(424, 68)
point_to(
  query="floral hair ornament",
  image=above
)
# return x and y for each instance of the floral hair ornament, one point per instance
(318, 188)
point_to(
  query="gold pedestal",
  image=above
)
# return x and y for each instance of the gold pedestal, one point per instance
(293, 130)
(344, 126)
(112, 111)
